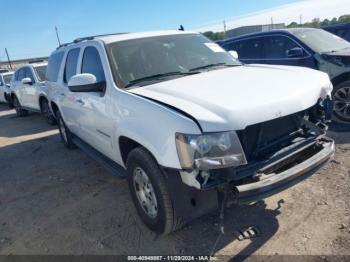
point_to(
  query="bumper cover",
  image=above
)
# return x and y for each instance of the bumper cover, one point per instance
(274, 183)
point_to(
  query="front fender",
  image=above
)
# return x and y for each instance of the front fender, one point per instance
(152, 125)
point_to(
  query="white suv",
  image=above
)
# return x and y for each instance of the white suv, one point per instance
(5, 79)
(192, 126)
(28, 91)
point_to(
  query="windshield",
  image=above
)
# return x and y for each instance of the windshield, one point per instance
(321, 41)
(7, 79)
(41, 72)
(164, 57)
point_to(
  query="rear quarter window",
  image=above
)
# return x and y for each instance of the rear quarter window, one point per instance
(53, 67)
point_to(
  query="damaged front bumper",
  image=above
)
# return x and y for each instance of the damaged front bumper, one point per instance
(286, 172)
(249, 183)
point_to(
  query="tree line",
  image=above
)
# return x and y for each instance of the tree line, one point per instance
(315, 23)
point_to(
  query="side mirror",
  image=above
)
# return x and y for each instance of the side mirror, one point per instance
(8, 85)
(295, 52)
(85, 83)
(1, 84)
(234, 54)
(27, 81)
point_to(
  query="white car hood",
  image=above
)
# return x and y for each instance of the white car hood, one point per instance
(234, 98)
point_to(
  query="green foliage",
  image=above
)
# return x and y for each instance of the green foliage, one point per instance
(317, 23)
(214, 36)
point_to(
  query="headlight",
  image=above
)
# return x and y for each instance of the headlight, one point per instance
(210, 151)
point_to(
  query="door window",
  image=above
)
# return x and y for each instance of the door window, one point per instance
(53, 67)
(92, 63)
(29, 74)
(71, 64)
(21, 74)
(248, 49)
(277, 47)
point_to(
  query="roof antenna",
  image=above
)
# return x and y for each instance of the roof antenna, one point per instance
(181, 28)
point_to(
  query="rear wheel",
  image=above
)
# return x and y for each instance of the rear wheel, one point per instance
(66, 135)
(341, 98)
(19, 110)
(150, 193)
(46, 112)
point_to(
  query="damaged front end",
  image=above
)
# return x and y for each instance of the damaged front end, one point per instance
(277, 154)
(263, 144)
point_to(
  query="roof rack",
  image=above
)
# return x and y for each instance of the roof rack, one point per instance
(80, 39)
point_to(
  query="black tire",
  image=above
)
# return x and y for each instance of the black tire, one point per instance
(166, 220)
(66, 135)
(341, 98)
(46, 112)
(19, 110)
(10, 102)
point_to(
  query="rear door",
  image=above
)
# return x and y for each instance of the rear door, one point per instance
(249, 50)
(95, 121)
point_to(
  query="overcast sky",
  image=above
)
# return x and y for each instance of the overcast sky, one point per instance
(288, 13)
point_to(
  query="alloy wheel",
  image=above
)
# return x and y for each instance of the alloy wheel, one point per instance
(342, 102)
(145, 192)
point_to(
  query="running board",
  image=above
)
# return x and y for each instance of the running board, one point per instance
(106, 162)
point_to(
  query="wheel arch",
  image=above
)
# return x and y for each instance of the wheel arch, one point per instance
(126, 145)
(54, 108)
(340, 78)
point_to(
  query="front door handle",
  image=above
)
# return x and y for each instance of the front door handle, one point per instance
(79, 101)
(62, 94)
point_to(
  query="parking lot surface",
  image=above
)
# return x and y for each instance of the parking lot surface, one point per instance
(56, 201)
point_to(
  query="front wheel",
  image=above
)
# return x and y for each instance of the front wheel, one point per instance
(46, 112)
(66, 135)
(341, 98)
(19, 110)
(149, 192)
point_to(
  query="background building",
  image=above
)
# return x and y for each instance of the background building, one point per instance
(17, 63)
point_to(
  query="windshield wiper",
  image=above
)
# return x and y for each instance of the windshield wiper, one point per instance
(157, 76)
(211, 65)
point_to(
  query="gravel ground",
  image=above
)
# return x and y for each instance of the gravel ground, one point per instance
(56, 201)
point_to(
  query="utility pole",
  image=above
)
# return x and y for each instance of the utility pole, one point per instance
(224, 29)
(8, 58)
(271, 20)
(58, 38)
(301, 20)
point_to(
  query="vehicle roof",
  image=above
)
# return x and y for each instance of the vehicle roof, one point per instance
(274, 31)
(122, 37)
(111, 38)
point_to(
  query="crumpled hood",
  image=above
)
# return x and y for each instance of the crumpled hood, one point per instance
(234, 98)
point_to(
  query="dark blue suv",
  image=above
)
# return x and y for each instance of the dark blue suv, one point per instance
(342, 30)
(307, 47)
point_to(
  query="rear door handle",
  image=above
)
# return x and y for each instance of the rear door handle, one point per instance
(62, 94)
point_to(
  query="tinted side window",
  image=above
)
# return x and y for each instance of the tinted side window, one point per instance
(71, 64)
(92, 63)
(276, 47)
(248, 49)
(53, 68)
(21, 74)
(29, 74)
(16, 76)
